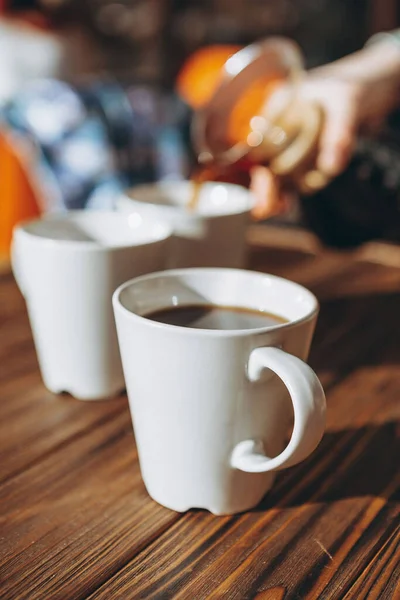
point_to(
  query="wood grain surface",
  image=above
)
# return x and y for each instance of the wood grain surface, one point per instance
(75, 518)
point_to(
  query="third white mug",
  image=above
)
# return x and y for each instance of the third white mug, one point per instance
(211, 235)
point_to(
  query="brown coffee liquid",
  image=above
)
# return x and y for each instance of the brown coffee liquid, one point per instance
(210, 316)
(195, 195)
(198, 178)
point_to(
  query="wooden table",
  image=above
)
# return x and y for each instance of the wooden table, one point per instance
(76, 521)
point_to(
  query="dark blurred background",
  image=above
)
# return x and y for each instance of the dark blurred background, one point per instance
(140, 45)
(149, 39)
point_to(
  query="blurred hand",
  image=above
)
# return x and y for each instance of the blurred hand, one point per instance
(355, 92)
(270, 199)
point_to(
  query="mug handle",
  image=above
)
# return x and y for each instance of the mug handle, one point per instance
(309, 406)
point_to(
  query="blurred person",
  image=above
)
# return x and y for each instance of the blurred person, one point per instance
(356, 93)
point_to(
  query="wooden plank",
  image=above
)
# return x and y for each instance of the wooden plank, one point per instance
(37, 409)
(381, 253)
(359, 279)
(76, 521)
(32, 420)
(346, 338)
(283, 238)
(5, 265)
(38, 422)
(302, 530)
(74, 518)
(330, 274)
(382, 576)
(301, 241)
(71, 498)
(321, 526)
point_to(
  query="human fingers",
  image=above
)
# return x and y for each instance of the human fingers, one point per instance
(266, 190)
(338, 135)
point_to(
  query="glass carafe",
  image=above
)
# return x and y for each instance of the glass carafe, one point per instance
(253, 111)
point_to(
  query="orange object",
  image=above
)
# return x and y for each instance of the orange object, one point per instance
(18, 200)
(202, 73)
(249, 104)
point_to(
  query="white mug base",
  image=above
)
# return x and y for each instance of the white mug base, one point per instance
(218, 511)
(249, 493)
(85, 395)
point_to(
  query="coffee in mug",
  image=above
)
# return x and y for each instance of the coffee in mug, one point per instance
(212, 316)
(214, 367)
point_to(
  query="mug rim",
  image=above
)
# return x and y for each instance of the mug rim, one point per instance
(118, 306)
(128, 196)
(22, 229)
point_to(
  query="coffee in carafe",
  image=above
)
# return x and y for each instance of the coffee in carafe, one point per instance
(253, 112)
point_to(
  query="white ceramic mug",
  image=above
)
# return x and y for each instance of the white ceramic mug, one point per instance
(212, 408)
(67, 267)
(213, 235)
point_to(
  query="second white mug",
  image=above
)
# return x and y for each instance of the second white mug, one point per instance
(67, 267)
